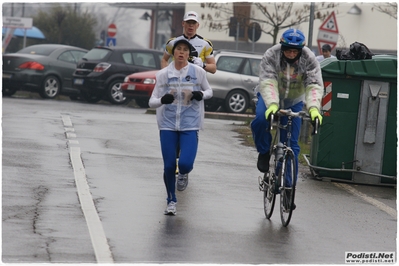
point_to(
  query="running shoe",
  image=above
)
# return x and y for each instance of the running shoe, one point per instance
(171, 208)
(182, 182)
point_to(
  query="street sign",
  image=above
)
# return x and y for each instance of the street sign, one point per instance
(254, 31)
(16, 22)
(111, 30)
(111, 42)
(328, 32)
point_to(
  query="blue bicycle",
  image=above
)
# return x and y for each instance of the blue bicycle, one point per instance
(281, 177)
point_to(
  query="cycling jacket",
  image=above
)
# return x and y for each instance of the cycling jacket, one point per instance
(183, 114)
(287, 84)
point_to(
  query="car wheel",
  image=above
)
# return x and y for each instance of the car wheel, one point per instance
(115, 94)
(8, 92)
(143, 103)
(236, 102)
(51, 87)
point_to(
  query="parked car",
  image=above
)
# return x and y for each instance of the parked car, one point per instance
(234, 81)
(102, 70)
(44, 68)
(139, 86)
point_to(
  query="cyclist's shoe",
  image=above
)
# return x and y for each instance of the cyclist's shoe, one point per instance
(182, 182)
(171, 208)
(263, 162)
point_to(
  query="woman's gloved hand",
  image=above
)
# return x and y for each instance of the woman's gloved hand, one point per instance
(197, 95)
(167, 99)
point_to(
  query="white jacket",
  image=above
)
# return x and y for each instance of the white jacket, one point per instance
(183, 114)
(285, 84)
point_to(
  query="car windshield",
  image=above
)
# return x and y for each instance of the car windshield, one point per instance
(40, 50)
(97, 54)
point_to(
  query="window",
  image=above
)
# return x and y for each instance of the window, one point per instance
(97, 54)
(144, 59)
(127, 58)
(34, 49)
(67, 57)
(254, 66)
(229, 63)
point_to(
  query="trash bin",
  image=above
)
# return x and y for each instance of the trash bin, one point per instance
(357, 141)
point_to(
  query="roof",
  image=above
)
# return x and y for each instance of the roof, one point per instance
(33, 32)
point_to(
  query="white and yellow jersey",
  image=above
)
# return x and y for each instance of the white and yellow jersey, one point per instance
(203, 46)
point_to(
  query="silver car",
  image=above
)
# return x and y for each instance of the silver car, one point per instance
(234, 81)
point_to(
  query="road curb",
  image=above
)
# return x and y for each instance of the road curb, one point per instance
(218, 115)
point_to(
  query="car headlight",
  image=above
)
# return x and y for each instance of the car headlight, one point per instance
(126, 79)
(149, 81)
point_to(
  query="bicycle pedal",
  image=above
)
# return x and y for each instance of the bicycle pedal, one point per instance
(261, 183)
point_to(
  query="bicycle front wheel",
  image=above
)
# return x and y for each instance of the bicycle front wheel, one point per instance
(287, 194)
(269, 198)
(269, 195)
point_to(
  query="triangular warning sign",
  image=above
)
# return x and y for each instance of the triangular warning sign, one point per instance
(330, 24)
(320, 44)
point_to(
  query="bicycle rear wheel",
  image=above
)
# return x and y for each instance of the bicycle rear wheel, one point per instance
(269, 196)
(287, 194)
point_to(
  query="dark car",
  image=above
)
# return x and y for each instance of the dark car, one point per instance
(44, 68)
(102, 70)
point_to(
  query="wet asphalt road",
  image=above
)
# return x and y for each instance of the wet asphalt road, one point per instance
(220, 215)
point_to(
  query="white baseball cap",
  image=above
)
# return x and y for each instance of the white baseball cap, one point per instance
(191, 15)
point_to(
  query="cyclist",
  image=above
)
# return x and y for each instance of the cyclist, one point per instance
(204, 48)
(178, 95)
(289, 75)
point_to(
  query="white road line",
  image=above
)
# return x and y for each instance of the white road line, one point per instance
(391, 211)
(66, 120)
(99, 241)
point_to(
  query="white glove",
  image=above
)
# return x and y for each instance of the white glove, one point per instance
(197, 61)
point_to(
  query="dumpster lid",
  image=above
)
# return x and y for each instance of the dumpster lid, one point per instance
(380, 66)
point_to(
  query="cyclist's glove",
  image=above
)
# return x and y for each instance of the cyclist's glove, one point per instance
(271, 110)
(197, 61)
(197, 95)
(314, 113)
(167, 99)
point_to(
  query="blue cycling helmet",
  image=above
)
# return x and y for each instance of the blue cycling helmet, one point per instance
(293, 38)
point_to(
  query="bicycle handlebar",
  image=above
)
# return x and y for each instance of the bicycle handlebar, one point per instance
(289, 112)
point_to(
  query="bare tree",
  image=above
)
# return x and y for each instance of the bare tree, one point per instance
(390, 9)
(61, 24)
(277, 16)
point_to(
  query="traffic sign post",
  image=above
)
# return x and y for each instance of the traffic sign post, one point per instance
(111, 42)
(111, 30)
(12, 23)
(17, 22)
(328, 32)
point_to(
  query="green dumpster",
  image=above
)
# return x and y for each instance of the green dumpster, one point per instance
(357, 141)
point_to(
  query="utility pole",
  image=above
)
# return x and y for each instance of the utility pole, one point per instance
(311, 20)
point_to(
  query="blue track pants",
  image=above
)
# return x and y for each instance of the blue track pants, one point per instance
(170, 141)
